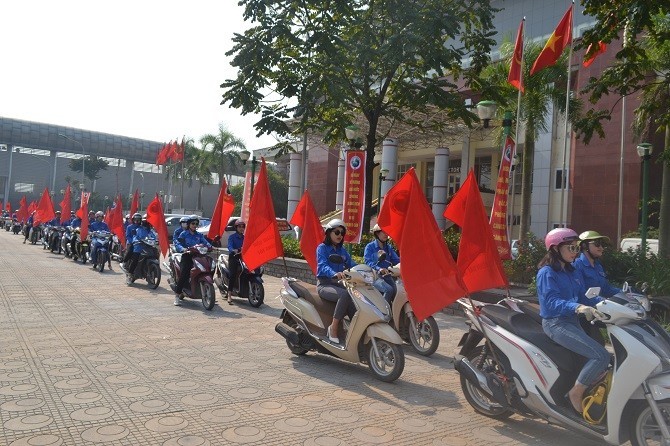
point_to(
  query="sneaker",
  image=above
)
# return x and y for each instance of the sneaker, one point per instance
(177, 302)
(123, 267)
(332, 338)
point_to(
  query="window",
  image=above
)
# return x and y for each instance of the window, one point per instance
(146, 167)
(483, 173)
(26, 188)
(557, 225)
(402, 169)
(561, 180)
(454, 177)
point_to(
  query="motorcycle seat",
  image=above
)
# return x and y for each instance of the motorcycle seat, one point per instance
(311, 295)
(527, 328)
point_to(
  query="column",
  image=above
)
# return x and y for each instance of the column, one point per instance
(294, 183)
(339, 196)
(466, 158)
(389, 162)
(440, 185)
(10, 148)
(54, 155)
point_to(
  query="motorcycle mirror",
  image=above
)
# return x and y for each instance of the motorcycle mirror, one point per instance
(381, 256)
(336, 259)
(593, 291)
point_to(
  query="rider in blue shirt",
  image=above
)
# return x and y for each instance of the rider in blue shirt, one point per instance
(187, 239)
(28, 227)
(385, 283)
(130, 235)
(588, 263)
(143, 231)
(97, 225)
(235, 242)
(183, 226)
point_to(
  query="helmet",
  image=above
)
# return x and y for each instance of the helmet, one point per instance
(334, 223)
(240, 222)
(137, 216)
(71, 212)
(559, 235)
(91, 212)
(193, 218)
(144, 217)
(58, 212)
(592, 235)
(375, 229)
(127, 216)
(99, 214)
(183, 220)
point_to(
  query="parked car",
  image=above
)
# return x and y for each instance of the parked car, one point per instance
(172, 222)
(634, 243)
(285, 229)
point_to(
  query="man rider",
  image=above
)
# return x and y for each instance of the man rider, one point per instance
(143, 231)
(97, 225)
(130, 236)
(28, 227)
(385, 283)
(235, 242)
(183, 226)
(54, 222)
(187, 239)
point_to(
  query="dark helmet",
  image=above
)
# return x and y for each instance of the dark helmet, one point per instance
(240, 222)
(137, 216)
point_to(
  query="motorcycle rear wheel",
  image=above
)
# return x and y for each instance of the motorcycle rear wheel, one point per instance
(392, 356)
(643, 427)
(478, 400)
(256, 294)
(100, 266)
(428, 339)
(153, 276)
(295, 348)
(208, 295)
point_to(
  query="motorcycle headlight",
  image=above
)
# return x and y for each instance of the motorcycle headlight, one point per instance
(202, 250)
(367, 277)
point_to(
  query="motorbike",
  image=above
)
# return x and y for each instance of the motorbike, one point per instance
(507, 365)
(47, 233)
(102, 241)
(368, 337)
(81, 247)
(16, 226)
(147, 265)
(7, 224)
(250, 281)
(55, 239)
(34, 234)
(423, 336)
(116, 249)
(201, 283)
(66, 241)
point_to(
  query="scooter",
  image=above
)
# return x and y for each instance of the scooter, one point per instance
(55, 239)
(201, 283)
(517, 368)
(66, 241)
(101, 240)
(423, 336)
(16, 227)
(368, 338)
(147, 265)
(116, 250)
(35, 234)
(81, 247)
(250, 281)
(46, 236)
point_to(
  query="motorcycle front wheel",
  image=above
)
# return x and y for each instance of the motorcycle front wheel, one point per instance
(208, 295)
(256, 294)
(101, 266)
(428, 337)
(390, 365)
(478, 400)
(643, 428)
(153, 276)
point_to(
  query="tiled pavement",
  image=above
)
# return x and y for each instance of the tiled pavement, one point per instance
(85, 359)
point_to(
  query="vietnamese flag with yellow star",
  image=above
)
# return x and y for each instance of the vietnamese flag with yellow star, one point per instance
(559, 39)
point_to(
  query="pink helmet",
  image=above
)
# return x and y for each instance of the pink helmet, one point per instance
(558, 236)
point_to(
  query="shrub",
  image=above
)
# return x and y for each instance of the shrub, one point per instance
(523, 269)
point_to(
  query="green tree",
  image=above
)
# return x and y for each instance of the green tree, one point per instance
(225, 147)
(319, 66)
(546, 87)
(91, 164)
(642, 65)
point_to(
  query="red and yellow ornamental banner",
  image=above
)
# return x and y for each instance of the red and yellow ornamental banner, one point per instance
(498, 220)
(246, 196)
(354, 195)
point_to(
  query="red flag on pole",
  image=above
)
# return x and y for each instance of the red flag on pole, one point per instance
(83, 214)
(22, 215)
(45, 209)
(156, 217)
(116, 220)
(163, 154)
(311, 232)
(559, 39)
(225, 205)
(8, 206)
(514, 76)
(65, 206)
(478, 259)
(602, 47)
(178, 151)
(84, 198)
(32, 207)
(430, 275)
(261, 240)
(136, 203)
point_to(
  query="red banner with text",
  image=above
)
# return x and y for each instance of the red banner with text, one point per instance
(498, 220)
(246, 196)
(354, 195)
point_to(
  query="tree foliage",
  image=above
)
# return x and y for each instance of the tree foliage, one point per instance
(91, 164)
(224, 147)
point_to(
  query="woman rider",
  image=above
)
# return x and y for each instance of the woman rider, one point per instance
(593, 245)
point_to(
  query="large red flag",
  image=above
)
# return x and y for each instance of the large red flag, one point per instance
(178, 151)
(8, 206)
(65, 206)
(45, 209)
(261, 240)
(108, 217)
(22, 215)
(559, 39)
(163, 154)
(311, 232)
(84, 198)
(156, 217)
(136, 203)
(514, 76)
(478, 258)
(602, 47)
(32, 207)
(116, 220)
(83, 210)
(225, 205)
(430, 275)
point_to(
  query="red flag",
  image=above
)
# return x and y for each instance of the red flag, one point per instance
(107, 217)
(22, 215)
(430, 275)
(116, 220)
(136, 203)
(478, 258)
(261, 240)
(83, 210)
(8, 207)
(178, 151)
(45, 209)
(225, 205)
(156, 217)
(311, 232)
(559, 39)
(32, 207)
(163, 154)
(602, 47)
(65, 206)
(514, 76)
(84, 198)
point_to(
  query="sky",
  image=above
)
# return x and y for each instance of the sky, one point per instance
(142, 68)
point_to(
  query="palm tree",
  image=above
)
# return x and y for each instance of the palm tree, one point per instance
(542, 89)
(225, 148)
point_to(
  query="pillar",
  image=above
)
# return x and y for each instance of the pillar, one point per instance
(54, 155)
(10, 148)
(440, 185)
(294, 183)
(466, 158)
(339, 196)
(389, 162)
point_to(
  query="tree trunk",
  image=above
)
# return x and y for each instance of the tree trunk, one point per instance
(664, 213)
(200, 196)
(526, 186)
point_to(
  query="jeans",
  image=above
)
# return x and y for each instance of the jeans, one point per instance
(94, 250)
(568, 333)
(386, 285)
(334, 292)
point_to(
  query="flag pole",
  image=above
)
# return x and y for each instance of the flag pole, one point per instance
(564, 180)
(516, 139)
(183, 168)
(623, 138)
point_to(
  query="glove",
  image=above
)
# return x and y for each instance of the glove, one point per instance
(589, 313)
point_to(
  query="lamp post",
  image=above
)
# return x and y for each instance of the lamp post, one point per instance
(244, 156)
(486, 110)
(382, 177)
(141, 200)
(644, 151)
(104, 202)
(83, 156)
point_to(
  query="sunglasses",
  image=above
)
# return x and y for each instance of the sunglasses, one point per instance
(572, 248)
(598, 244)
(338, 233)
(241, 226)
(193, 223)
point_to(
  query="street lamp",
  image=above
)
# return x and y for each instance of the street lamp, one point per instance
(382, 177)
(353, 134)
(83, 156)
(644, 151)
(104, 202)
(486, 110)
(244, 156)
(141, 200)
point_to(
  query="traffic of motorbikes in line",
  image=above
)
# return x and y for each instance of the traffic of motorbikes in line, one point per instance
(507, 364)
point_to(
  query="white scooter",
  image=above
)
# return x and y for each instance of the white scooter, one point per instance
(520, 370)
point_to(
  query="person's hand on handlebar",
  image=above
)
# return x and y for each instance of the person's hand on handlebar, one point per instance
(384, 271)
(340, 276)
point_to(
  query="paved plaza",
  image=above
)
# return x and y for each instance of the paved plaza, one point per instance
(84, 359)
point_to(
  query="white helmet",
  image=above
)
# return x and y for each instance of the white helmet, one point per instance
(99, 214)
(334, 223)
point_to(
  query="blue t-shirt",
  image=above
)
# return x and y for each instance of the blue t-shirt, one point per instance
(594, 276)
(235, 242)
(561, 292)
(98, 226)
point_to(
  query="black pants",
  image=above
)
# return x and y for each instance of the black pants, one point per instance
(235, 269)
(134, 258)
(185, 267)
(334, 292)
(128, 254)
